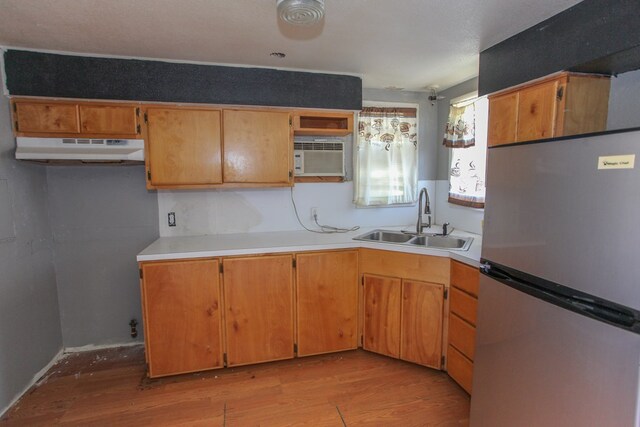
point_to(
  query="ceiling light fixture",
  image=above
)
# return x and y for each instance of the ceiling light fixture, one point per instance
(301, 12)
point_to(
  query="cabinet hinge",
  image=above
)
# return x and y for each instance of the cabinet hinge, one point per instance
(295, 349)
(149, 175)
(442, 362)
(221, 268)
(15, 107)
(290, 122)
(293, 262)
(362, 280)
(140, 273)
(138, 128)
(137, 111)
(146, 118)
(560, 93)
(17, 127)
(224, 359)
(446, 293)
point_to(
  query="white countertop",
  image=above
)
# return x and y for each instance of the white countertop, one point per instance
(291, 241)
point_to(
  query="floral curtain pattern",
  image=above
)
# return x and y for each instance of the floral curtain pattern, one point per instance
(460, 130)
(468, 159)
(386, 156)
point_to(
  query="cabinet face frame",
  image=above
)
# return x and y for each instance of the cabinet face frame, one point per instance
(163, 360)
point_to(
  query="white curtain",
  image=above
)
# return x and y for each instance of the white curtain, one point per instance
(386, 154)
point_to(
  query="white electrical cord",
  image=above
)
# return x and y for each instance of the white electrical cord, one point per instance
(324, 229)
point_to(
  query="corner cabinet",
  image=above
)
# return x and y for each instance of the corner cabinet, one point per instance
(182, 316)
(560, 105)
(75, 119)
(404, 305)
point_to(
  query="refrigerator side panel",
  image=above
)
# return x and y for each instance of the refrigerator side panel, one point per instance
(551, 212)
(539, 365)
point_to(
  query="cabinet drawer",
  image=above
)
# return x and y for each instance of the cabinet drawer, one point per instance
(462, 335)
(464, 305)
(465, 277)
(460, 369)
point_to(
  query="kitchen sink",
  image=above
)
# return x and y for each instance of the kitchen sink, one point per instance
(442, 242)
(412, 239)
(386, 236)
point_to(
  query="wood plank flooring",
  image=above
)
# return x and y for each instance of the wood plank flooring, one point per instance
(355, 388)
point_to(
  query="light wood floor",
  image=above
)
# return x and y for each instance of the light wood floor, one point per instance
(355, 388)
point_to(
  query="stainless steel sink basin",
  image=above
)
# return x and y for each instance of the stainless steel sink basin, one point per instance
(411, 239)
(386, 236)
(442, 242)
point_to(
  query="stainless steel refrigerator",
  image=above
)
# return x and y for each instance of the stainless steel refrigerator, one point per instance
(558, 324)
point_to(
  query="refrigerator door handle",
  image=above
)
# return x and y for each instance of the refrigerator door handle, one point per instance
(587, 305)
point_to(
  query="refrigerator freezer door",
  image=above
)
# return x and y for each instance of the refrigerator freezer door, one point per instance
(551, 212)
(537, 364)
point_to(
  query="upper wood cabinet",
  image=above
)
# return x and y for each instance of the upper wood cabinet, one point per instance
(182, 316)
(327, 302)
(183, 147)
(259, 310)
(53, 118)
(563, 104)
(258, 147)
(322, 123)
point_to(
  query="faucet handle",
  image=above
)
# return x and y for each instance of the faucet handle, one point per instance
(444, 228)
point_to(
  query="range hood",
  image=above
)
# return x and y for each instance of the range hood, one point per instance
(84, 150)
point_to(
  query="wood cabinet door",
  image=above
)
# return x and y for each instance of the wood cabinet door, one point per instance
(184, 147)
(327, 302)
(257, 147)
(47, 118)
(537, 107)
(182, 320)
(422, 318)
(258, 298)
(503, 117)
(109, 119)
(382, 314)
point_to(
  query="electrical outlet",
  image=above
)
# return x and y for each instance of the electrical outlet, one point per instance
(314, 213)
(172, 219)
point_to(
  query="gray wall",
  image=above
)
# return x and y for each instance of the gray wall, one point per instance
(624, 101)
(101, 217)
(427, 167)
(30, 333)
(443, 114)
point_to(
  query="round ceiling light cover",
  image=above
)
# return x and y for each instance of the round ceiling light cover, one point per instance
(301, 12)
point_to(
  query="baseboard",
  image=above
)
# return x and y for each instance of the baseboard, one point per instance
(92, 347)
(36, 378)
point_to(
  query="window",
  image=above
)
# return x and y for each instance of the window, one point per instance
(466, 135)
(386, 157)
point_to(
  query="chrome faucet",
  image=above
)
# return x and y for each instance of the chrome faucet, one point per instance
(427, 210)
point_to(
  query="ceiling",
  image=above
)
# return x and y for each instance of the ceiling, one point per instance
(410, 44)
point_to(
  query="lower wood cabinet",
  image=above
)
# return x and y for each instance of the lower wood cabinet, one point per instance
(182, 316)
(327, 302)
(421, 327)
(403, 308)
(462, 323)
(258, 303)
(381, 329)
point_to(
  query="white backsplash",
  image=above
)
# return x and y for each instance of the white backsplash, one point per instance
(460, 217)
(200, 212)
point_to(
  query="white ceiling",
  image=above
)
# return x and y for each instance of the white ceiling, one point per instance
(412, 44)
